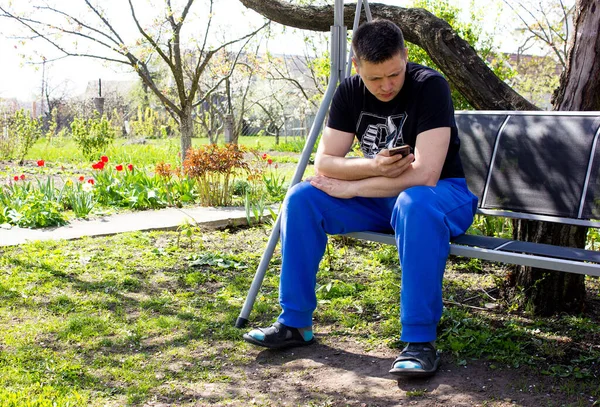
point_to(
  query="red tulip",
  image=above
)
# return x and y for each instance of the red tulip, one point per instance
(91, 181)
(40, 163)
(269, 161)
(22, 176)
(81, 178)
(119, 167)
(264, 156)
(130, 167)
(104, 159)
(16, 177)
(98, 166)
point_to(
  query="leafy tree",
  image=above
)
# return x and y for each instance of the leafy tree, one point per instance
(545, 25)
(544, 29)
(472, 32)
(536, 78)
(86, 29)
(225, 108)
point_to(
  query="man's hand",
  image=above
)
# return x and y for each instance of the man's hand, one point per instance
(391, 166)
(334, 187)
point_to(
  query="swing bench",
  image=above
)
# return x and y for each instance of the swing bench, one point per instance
(530, 165)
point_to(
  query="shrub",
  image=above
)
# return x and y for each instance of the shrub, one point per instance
(17, 134)
(214, 168)
(147, 125)
(93, 135)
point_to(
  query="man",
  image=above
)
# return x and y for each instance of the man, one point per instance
(422, 196)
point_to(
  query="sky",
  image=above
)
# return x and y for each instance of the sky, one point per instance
(22, 80)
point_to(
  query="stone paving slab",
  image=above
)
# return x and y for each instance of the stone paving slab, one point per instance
(163, 219)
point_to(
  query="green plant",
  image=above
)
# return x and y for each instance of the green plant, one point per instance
(491, 226)
(178, 188)
(23, 205)
(254, 205)
(274, 182)
(147, 124)
(240, 187)
(48, 189)
(22, 133)
(52, 125)
(80, 198)
(187, 229)
(294, 145)
(93, 135)
(214, 167)
(128, 187)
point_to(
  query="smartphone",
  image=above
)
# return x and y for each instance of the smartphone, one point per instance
(404, 150)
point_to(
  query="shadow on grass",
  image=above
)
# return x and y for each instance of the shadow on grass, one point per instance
(207, 321)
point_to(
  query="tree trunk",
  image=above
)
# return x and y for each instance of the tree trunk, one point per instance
(231, 133)
(548, 292)
(453, 55)
(229, 129)
(186, 127)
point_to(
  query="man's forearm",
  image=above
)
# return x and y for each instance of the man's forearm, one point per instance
(343, 168)
(383, 187)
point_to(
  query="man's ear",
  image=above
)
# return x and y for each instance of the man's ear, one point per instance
(356, 64)
(405, 54)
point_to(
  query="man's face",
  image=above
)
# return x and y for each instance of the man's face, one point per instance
(384, 80)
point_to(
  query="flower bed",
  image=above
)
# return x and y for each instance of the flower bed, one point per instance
(210, 176)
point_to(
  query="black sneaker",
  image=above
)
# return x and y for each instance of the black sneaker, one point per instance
(416, 360)
(279, 336)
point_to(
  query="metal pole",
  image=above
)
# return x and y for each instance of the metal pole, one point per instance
(359, 4)
(338, 42)
(368, 10)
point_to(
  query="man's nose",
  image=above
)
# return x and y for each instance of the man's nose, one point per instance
(387, 84)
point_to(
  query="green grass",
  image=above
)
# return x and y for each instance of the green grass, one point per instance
(65, 150)
(63, 157)
(126, 319)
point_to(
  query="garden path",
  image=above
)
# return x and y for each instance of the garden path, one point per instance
(162, 219)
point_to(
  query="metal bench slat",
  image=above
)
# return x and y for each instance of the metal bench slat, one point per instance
(485, 242)
(538, 255)
(558, 252)
(570, 266)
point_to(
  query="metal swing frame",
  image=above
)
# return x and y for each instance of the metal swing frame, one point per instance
(340, 69)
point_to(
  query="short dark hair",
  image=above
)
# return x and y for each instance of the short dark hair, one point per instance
(377, 41)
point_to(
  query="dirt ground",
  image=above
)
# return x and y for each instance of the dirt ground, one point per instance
(344, 373)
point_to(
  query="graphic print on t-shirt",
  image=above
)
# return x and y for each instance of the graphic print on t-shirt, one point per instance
(376, 132)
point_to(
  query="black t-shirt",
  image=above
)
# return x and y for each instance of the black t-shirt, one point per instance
(423, 103)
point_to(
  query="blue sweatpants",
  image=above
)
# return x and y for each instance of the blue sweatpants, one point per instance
(423, 220)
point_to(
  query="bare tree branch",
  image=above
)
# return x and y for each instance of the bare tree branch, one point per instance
(148, 38)
(78, 21)
(210, 11)
(26, 22)
(206, 60)
(105, 21)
